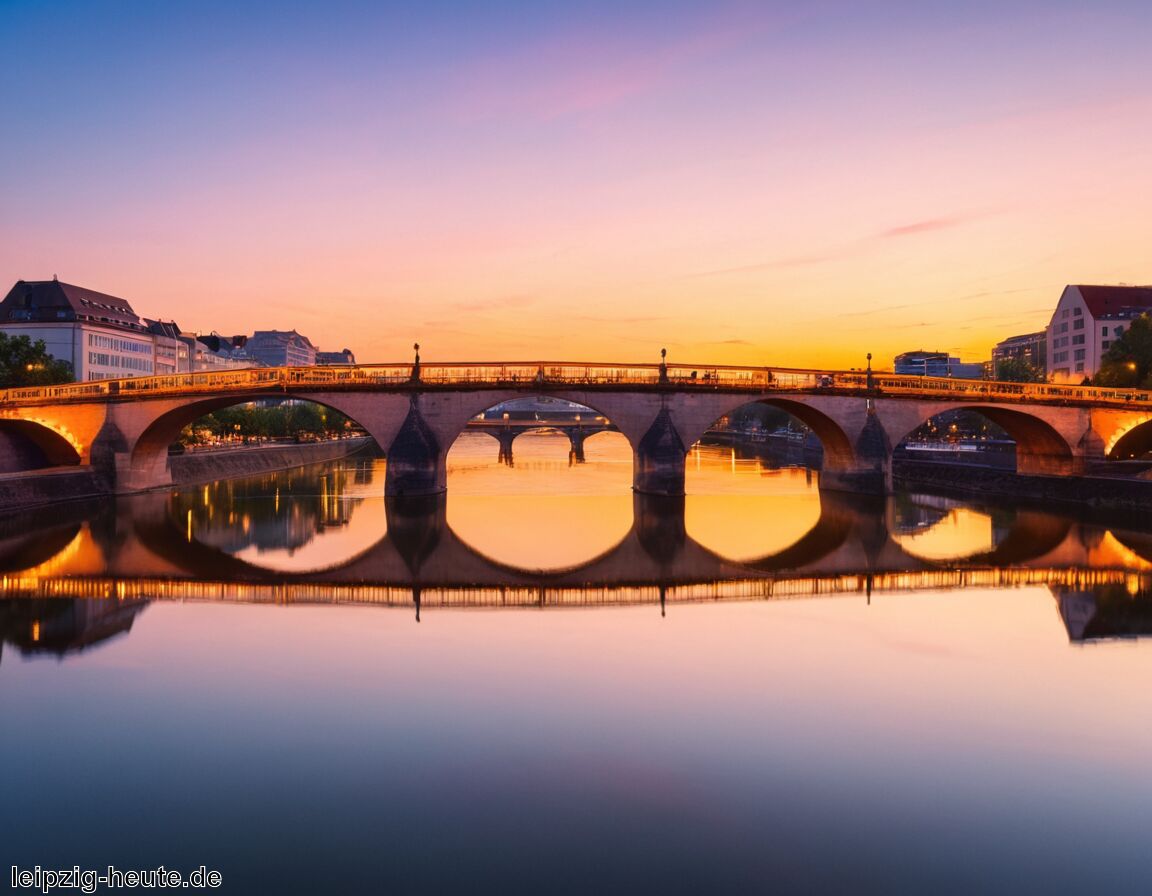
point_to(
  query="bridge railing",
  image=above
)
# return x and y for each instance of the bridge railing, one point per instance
(574, 375)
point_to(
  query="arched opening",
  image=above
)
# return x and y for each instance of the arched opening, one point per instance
(540, 482)
(1134, 445)
(199, 441)
(29, 445)
(752, 479)
(960, 436)
(281, 484)
(984, 437)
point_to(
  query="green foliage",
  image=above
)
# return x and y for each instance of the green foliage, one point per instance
(769, 418)
(1017, 370)
(281, 421)
(27, 363)
(1129, 361)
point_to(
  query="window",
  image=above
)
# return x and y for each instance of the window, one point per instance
(1078, 339)
(1078, 324)
(1064, 313)
(1079, 354)
(1077, 311)
(1064, 327)
(1105, 345)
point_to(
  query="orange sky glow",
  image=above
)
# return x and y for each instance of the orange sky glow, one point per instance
(740, 183)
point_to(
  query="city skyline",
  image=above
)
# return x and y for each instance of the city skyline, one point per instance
(723, 180)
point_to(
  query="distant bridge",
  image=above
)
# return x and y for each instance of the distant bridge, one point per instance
(122, 428)
(576, 429)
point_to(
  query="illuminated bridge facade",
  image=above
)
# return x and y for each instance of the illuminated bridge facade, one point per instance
(122, 428)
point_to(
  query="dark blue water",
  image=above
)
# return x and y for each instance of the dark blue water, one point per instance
(944, 741)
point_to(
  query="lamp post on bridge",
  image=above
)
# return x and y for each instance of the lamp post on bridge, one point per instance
(663, 365)
(416, 363)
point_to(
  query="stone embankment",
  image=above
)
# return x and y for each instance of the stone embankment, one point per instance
(56, 484)
(208, 466)
(1128, 493)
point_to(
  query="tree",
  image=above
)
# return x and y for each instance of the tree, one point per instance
(27, 363)
(1129, 361)
(1017, 370)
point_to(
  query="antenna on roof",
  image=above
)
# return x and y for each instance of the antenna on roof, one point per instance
(54, 277)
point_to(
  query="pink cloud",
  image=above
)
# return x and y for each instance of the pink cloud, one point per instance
(590, 69)
(925, 226)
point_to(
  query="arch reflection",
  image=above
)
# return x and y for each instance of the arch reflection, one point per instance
(299, 520)
(549, 510)
(934, 528)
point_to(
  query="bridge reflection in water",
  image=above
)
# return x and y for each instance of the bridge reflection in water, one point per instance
(118, 555)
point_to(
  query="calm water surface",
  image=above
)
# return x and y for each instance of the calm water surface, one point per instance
(884, 734)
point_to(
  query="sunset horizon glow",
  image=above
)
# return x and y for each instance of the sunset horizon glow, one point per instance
(742, 183)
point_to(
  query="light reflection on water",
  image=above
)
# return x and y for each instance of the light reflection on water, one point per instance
(544, 512)
(944, 741)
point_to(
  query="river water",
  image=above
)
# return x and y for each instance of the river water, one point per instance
(545, 685)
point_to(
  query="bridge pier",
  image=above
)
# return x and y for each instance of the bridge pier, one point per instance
(659, 460)
(576, 439)
(506, 437)
(415, 460)
(869, 470)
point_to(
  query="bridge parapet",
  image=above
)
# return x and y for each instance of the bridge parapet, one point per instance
(566, 375)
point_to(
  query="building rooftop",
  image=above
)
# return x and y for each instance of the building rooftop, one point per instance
(52, 300)
(167, 328)
(1025, 337)
(1105, 300)
(278, 337)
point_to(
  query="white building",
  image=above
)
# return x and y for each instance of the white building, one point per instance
(99, 335)
(1087, 320)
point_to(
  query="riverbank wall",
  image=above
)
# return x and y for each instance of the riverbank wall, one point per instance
(1095, 492)
(38, 488)
(208, 466)
(51, 486)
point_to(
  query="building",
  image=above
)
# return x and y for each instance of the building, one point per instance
(331, 359)
(216, 352)
(170, 351)
(1087, 320)
(281, 348)
(98, 334)
(1032, 348)
(922, 363)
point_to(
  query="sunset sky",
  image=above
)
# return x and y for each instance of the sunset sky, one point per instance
(764, 183)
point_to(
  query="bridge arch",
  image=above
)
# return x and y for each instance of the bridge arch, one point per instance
(27, 444)
(149, 452)
(552, 511)
(1040, 448)
(839, 451)
(507, 420)
(1132, 443)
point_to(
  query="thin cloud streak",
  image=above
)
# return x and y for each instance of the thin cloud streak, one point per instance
(854, 247)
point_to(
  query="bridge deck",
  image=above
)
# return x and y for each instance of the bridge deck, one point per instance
(559, 375)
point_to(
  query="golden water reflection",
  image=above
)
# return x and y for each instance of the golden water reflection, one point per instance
(948, 533)
(299, 520)
(544, 512)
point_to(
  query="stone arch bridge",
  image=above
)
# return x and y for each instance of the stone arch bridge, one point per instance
(122, 428)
